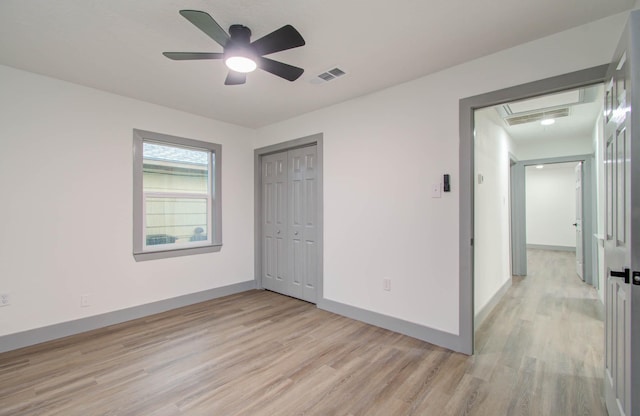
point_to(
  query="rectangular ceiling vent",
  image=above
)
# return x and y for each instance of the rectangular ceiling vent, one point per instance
(537, 116)
(328, 76)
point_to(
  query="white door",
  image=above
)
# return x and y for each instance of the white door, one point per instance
(274, 221)
(622, 242)
(302, 223)
(290, 223)
(578, 223)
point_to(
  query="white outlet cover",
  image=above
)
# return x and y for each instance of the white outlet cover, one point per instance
(5, 299)
(84, 301)
(436, 190)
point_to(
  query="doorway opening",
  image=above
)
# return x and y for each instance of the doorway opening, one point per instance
(542, 150)
(469, 179)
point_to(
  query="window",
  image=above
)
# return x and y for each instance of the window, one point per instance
(176, 196)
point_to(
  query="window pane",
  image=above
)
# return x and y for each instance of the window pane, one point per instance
(175, 220)
(174, 169)
(176, 204)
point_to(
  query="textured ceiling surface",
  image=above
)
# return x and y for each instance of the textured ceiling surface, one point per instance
(117, 46)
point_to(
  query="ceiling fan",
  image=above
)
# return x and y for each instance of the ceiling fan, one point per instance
(240, 55)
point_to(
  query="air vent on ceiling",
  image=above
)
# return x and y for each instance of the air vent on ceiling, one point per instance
(537, 116)
(328, 76)
(556, 105)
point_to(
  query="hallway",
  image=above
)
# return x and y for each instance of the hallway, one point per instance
(541, 348)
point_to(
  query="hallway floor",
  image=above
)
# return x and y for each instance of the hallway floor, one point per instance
(541, 348)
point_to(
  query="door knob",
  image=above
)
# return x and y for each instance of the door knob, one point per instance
(296, 233)
(278, 232)
(575, 224)
(623, 275)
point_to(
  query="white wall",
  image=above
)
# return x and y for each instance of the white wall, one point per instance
(382, 153)
(66, 181)
(551, 205)
(492, 146)
(65, 173)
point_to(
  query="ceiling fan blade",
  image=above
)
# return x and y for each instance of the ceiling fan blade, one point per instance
(185, 56)
(235, 78)
(286, 71)
(205, 22)
(286, 37)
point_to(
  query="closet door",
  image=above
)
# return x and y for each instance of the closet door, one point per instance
(274, 222)
(302, 223)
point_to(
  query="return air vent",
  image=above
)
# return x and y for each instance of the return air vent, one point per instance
(537, 116)
(328, 76)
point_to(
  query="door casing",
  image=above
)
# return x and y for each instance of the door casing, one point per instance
(518, 220)
(517, 226)
(467, 107)
(315, 139)
(579, 195)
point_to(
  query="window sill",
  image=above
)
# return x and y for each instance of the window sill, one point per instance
(163, 254)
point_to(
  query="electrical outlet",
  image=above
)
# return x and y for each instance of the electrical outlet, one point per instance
(84, 301)
(386, 284)
(5, 299)
(436, 190)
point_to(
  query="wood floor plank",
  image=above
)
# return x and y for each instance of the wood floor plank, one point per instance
(540, 352)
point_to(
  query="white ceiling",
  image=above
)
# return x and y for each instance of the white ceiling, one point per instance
(580, 123)
(116, 46)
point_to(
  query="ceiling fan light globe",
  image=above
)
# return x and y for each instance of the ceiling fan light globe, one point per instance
(240, 64)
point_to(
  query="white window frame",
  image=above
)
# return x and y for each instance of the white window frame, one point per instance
(213, 243)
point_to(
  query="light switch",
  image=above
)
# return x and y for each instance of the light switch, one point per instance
(436, 191)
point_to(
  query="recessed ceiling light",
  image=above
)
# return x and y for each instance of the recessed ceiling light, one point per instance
(539, 166)
(547, 121)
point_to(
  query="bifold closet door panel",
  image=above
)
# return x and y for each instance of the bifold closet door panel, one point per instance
(274, 222)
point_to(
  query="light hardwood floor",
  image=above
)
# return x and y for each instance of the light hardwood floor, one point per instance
(258, 353)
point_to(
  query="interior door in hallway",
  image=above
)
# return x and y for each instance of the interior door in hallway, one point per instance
(289, 204)
(622, 242)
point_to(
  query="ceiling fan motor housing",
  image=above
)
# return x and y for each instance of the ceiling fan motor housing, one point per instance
(239, 42)
(239, 34)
